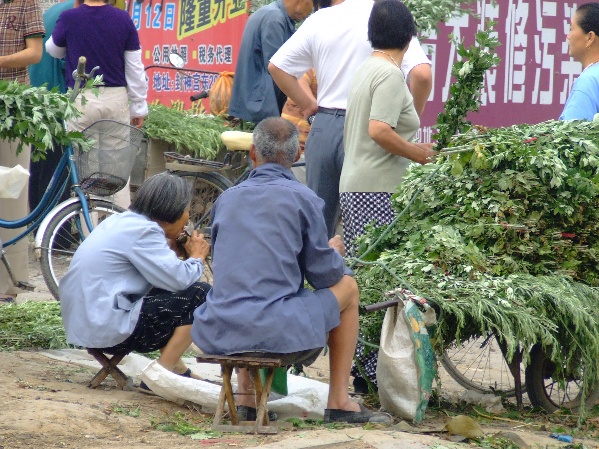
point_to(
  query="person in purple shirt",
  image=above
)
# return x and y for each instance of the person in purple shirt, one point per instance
(268, 236)
(107, 37)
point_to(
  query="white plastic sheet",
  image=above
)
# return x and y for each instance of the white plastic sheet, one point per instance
(307, 398)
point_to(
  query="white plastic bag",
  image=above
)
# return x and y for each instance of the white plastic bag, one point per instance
(406, 363)
(12, 181)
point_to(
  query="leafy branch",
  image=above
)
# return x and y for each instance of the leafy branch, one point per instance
(429, 13)
(469, 74)
(35, 116)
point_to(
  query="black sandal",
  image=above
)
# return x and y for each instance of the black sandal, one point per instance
(245, 413)
(361, 417)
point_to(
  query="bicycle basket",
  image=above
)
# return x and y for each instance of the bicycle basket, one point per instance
(106, 167)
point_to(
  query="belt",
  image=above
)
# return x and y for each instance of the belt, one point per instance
(332, 111)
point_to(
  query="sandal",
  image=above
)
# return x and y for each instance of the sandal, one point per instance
(363, 416)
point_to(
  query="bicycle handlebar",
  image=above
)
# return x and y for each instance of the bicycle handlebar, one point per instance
(179, 69)
(200, 95)
(81, 67)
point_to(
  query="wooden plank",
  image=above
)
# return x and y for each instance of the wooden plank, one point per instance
(239, 361)
(263, 430)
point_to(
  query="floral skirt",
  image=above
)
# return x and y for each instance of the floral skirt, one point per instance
(357, 210)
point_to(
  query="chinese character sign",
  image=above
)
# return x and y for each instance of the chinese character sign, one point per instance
(535, 74)
(206, 33)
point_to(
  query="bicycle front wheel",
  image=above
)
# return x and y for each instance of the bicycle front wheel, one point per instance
(63, 236)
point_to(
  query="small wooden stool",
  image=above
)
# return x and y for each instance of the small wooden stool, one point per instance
(110, 368)
(253, 364)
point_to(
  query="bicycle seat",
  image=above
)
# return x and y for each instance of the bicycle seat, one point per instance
(237, 140)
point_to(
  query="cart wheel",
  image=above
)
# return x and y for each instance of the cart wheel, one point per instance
(478, 364)
(550, 391)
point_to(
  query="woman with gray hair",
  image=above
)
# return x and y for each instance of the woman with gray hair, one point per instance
(126, 288)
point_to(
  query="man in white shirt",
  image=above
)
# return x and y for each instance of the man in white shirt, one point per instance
(335, 42)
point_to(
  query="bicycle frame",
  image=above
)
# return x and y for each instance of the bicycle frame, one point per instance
(50, 198)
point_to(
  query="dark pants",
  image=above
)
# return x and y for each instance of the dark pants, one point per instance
(324, 161)
(161, 313)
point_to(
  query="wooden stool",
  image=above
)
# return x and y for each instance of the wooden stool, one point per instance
(110, 368)
(253, 364)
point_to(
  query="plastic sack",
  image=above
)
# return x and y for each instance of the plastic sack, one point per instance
(12, 181)
(406, 362)
(220, 93)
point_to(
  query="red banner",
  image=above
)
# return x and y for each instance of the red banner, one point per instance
(207, 33)
(535, 75)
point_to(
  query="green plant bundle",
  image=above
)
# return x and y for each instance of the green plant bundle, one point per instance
(35, 116)
(198, 135)
(469, 75)
(31, 325)
(504, 237)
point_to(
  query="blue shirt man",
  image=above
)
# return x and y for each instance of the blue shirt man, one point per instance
(255, 96)
(268, 235)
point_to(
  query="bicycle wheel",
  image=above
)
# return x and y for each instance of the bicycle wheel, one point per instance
(64, 235)
(207, 187)
(478, 364)
(551, 391)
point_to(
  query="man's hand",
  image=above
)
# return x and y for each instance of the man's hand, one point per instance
(197, 247)
(337, 244)
(137, 121)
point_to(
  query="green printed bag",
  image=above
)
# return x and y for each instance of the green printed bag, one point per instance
(406, 361)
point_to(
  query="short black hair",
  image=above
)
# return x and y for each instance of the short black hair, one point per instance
(162, 197)
(588, 17)
(391, 25)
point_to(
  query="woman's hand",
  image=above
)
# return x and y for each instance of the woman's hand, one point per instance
(427, 153)
(197, 247)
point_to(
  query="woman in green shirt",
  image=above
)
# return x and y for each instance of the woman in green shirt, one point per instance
(381, 121)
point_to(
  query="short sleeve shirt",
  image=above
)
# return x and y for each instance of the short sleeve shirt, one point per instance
(19, 20)
(378, 92)
(583, 101)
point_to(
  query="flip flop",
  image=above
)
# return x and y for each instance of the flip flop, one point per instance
(361, 417)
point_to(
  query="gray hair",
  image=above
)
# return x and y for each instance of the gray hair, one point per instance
(163, 197)
(276, 140)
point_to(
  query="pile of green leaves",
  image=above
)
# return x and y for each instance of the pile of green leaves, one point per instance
(31, 325)
(35, 116)
(198, 135)
(503, 237)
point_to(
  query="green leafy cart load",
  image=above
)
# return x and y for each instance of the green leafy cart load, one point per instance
(503, 234)
(198, 135)
(35, 116)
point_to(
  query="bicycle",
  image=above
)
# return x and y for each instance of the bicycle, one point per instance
(91, 177)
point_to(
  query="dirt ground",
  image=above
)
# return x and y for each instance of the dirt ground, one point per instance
(46, 403)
